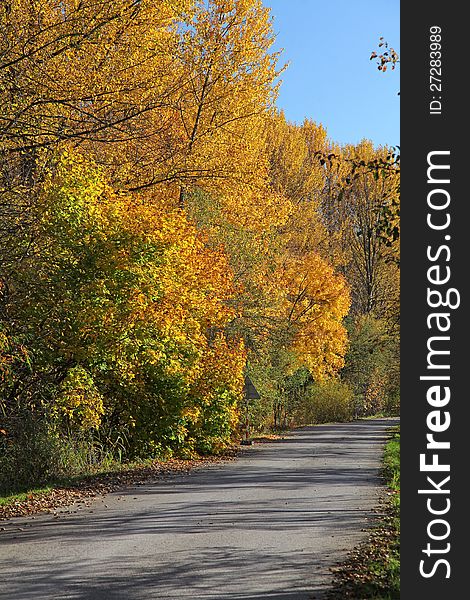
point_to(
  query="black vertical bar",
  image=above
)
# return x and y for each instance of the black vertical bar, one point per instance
(434, 118)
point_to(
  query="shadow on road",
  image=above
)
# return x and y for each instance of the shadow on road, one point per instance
(257, 528)
(221, 573)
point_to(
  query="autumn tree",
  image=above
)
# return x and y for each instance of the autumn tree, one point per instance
(87, 72)
(360, 207)
(291, 302)
(165, 228)
(113, 305)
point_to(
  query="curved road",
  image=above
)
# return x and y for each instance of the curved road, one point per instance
(265, 526)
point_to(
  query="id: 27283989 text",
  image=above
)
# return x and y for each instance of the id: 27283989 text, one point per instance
(435, 70)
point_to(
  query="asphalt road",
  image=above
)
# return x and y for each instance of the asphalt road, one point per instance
(265, 526)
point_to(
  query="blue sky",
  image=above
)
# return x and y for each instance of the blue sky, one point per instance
(330, 78)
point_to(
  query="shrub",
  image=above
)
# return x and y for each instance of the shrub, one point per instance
(325, 402)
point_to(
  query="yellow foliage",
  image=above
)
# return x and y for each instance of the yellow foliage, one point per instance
(172, 223)
(157, 300)
(316, 300)
(79, 399)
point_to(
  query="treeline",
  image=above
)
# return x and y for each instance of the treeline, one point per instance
(165, 229)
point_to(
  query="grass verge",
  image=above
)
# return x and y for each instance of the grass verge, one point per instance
(64, 492)
(23, 496)
(373, 569)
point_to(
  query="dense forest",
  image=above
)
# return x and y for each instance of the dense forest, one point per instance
(165, 231)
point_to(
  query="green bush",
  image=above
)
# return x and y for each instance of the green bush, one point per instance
(372, 366)
(329, 401)
(42, 451)
(392, 403)
(30, 457)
